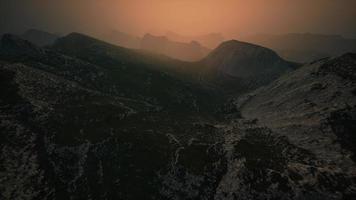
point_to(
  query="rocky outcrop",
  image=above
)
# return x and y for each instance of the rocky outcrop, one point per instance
(239, 67)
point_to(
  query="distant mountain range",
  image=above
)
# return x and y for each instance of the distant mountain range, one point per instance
(192, 51)
(123, 39)
(211, 40)
(301, 48)
(304, 47)
(85, 119)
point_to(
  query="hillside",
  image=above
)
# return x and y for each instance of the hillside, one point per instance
(248, 64)
(83, 128)
(38, 37)
(87, 119)
(296, 133)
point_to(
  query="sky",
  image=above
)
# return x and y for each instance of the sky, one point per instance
(188, 17)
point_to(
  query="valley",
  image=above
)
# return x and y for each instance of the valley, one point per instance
(85, 119)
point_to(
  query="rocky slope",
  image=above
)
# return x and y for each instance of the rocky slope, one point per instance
(75, 129)
(296, 138)
(85, 119)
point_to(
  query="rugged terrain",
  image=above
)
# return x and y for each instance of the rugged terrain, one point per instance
(84, 119)
(295, 138)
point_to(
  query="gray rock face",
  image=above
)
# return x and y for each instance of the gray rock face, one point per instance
(304, 121)
(247, 61)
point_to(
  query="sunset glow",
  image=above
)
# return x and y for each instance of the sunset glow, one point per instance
(190, 17)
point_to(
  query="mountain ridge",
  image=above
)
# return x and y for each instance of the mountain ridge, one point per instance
(39, 37)
(84, 118)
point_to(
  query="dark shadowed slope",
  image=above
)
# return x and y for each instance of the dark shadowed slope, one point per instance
(75, 129)
(248, 64)
(38, 37)
(126, 72)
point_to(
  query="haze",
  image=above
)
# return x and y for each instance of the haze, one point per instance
(190, 17)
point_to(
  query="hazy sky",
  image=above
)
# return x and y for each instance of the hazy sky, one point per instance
(230, 17)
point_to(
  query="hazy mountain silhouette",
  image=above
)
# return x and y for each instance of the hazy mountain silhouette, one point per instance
(192, 51)
(87, 119)
(124, 39)
(211, 40)
(38, 37)
(304, 47)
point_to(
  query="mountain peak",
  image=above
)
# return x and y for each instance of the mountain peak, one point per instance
(192, 51)
(239, 47)
(149, 36)
(74, 42)
(39, 37)
(77, 36)
(13, 46)
(247, 61)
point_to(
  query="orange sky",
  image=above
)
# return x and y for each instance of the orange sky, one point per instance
(231, 17)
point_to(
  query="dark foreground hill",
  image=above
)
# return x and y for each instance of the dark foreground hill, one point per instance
(73, 128)
(38, 37)
(85, 119)
(296, 136)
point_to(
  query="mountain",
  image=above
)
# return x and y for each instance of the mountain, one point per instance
(123, 39)
(246, 62)
(304, 47)
(85, 119)
(192, 51)
(211, 40)
(38, 37)
(13, 47)
(296, 133)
